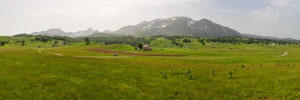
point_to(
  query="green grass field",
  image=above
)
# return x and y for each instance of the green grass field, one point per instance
(243, 72)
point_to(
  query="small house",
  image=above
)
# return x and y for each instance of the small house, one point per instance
(147, 47)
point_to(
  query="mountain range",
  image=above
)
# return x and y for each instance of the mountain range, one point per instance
(182, 26)
(59, 32)
(268, 37)
(179, 26)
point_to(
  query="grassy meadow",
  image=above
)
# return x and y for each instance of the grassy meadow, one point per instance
(213, 71)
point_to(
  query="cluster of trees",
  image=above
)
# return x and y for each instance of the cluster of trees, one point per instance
(23, 35)
(186, 41)
(232, 40)
(134, 41)
(201, 41)
(45, 38)
(2, 43)
(174, 37)
(176, 43)
(130, 40)
(245, 41)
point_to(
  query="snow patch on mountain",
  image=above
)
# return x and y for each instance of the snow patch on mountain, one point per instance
(191, 23)
(163, 25)
(173, 19)
(224, 30)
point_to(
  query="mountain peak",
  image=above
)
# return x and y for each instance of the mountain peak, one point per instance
(179, 17)
(205, 20)
(90, 29)
(179, 25)
(54, 29)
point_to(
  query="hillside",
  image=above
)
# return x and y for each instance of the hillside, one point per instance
(179, 26)
(59, 32)
(268, 37)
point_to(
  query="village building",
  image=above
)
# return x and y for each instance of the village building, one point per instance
(147, 47)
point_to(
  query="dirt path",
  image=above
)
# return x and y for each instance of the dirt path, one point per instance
(58, 54)
(285, 53)
(128, 53)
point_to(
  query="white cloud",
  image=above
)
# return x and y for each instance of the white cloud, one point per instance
(113, 11)
(100, 7)
(268, 14)
(148, 2)
(281, 3)
(286, 4)
(56, 11)
(231, 11)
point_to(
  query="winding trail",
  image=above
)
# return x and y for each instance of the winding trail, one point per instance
(285, 53)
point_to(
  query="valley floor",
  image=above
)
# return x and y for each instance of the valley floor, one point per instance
(72, 72)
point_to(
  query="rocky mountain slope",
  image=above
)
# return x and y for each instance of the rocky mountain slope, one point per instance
(179, 26)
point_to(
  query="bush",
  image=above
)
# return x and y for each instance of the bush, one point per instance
(230, 74)
(2, 43)
(189, 71)
(191, 76)
(165, 75)
(140, 45)
(23, 42)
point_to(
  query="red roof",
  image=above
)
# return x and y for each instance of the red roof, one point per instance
(146, 45)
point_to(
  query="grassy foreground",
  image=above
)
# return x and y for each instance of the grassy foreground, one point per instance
(245, 72)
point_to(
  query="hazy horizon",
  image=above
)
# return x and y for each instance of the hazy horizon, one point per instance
(259, 17)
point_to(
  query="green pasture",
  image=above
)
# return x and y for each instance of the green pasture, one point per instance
(243, 72)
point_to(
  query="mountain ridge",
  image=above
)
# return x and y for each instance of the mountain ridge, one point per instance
(179, 26)
(268, 37)
(60, 32)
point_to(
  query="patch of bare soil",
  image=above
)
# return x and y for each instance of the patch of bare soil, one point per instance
(128, 53)
(58, 54)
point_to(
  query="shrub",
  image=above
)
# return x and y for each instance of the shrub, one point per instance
(23, 42)
(2, 43)
(165, 75)
(191, 76)
(230, 74)
(213, 72)
(189, 71)
(140, 45)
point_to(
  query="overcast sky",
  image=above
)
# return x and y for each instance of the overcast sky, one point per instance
(279, 18)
